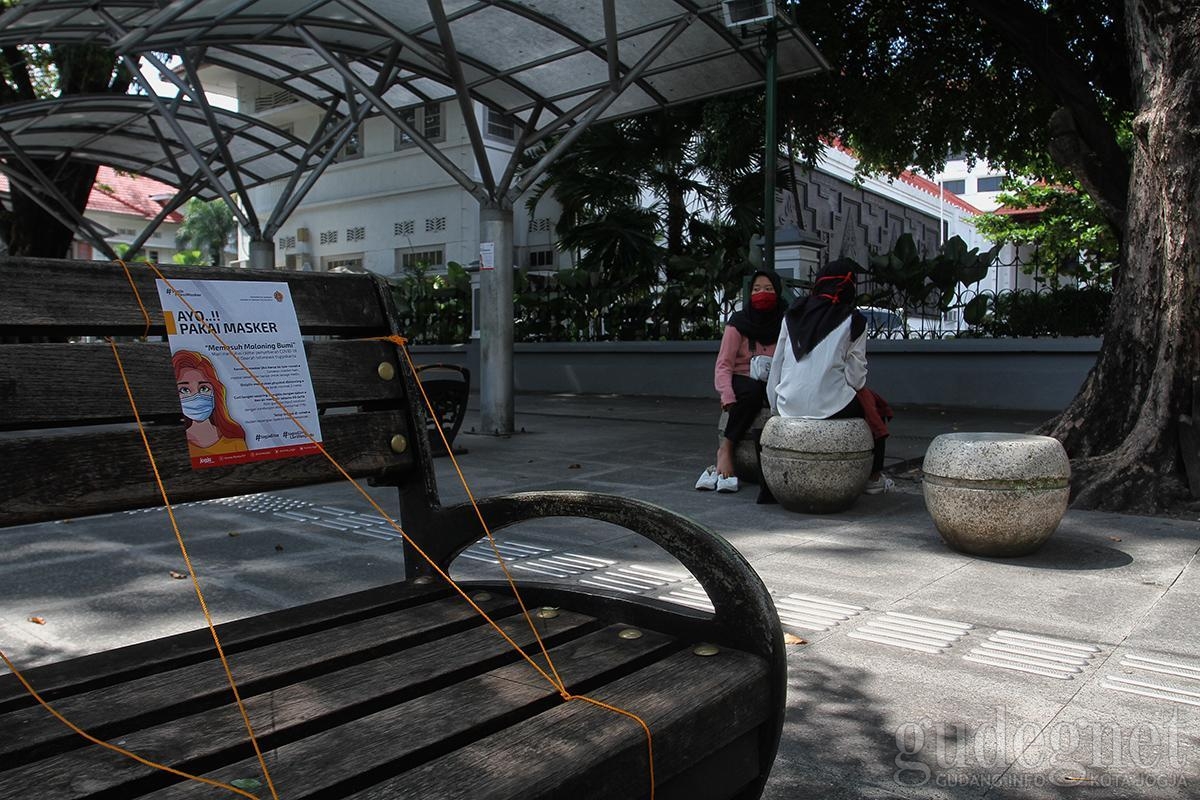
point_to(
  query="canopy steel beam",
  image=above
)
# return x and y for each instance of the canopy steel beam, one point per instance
(182, 196)
(465, 104)
(248, 222)
(348, 125)
(460, 177)
(414, 45)
(608, 96)
(129, 41)
(35, 183)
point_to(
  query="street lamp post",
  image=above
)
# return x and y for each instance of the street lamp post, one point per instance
(770, 154)
(744, 14)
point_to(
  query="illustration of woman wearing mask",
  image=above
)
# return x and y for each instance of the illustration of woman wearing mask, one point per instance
(210, 429)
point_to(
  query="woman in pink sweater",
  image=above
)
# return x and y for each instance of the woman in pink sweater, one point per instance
(751, 332)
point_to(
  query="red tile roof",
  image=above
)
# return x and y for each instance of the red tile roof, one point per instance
(122, 193)
(915, 180)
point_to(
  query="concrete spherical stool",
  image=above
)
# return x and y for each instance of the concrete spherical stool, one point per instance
(745, 454)
(996, 494)
(816, 465)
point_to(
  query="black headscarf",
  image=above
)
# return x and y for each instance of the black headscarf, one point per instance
(762, 326)
(812, 318)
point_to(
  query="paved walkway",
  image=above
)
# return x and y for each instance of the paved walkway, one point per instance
(922, 672)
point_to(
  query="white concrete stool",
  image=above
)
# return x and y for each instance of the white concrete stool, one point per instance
(996, 494)
(745, 454)
(816, 465)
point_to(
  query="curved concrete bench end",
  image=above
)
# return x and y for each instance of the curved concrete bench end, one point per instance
(816, 466)
(996, 494)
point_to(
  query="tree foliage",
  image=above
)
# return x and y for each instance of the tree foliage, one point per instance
(34, 72)
(1037, 88)
(1063, 225)
(207, 227)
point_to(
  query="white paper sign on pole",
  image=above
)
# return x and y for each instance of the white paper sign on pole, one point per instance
(487, 255)
(229, 418)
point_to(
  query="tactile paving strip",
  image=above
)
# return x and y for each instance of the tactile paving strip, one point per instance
(1185, 686)
(1037, 655)
(925, 634)
(810, 613)
(634, 579)
(510, 551)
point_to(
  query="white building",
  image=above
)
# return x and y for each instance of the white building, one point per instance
(385, 205)
(124, 204)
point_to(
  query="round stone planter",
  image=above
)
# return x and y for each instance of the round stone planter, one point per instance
(745, 454)
(816, 466)
(996, 494)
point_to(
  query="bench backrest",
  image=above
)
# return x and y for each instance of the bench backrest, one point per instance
(68, 446)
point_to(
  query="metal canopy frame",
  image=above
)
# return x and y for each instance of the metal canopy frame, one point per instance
(549, 65)
(554, 66)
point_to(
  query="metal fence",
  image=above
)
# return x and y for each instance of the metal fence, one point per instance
(1016, 298)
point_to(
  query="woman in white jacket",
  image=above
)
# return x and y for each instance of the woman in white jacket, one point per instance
(819, 370)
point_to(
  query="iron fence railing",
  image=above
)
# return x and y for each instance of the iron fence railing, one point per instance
(1016, 298)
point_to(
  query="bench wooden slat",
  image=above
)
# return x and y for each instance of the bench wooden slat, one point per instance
(155, 698)
(107, 470)
(397, 738)
(49, 297)
(112, 667)
(49, 385)
(391, 692)
(577, 750)
(206, 740)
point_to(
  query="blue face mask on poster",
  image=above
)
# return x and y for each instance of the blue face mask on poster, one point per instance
(198, 407)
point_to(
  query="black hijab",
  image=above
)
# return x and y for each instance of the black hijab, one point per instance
(761, 326)
(812, 318)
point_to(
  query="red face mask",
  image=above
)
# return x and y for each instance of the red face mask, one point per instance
(762, 301)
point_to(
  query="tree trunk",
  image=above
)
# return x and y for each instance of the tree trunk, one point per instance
(30, 230)
(1122, 430)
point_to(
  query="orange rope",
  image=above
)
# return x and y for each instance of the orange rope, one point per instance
(402, 343)
(635, 718)
(558, 681)
(137, 295)
(75, 729)
(366, 495)
(555, 681)
(192, 573)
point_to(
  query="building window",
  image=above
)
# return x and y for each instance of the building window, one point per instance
(955, 187)
(329, 237)
(353, 148)
(273, 100)
(435, 224)
(541, 258)
(500, 126)
(287, 242)
(356, 234)
(992, 184)
(343, 263)
(408, 259)
(153, 256)
(126, 232)
(427, 119)
(405, 227)
(539, 225)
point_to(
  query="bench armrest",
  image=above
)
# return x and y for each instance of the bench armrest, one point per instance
(742, 604)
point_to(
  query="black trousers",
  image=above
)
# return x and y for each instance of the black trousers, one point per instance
(854, 409)
(751, 399)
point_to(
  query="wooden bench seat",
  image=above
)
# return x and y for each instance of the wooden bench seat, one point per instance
(400, 691)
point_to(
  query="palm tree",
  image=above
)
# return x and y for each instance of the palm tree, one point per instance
(648, 204)
(206, 227)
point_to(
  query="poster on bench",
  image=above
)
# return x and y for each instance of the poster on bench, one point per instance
(226, 337)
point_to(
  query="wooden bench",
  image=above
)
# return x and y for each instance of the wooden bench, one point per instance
(395, 692)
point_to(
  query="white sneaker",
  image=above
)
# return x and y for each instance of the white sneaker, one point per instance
(708, 480)
(727, 485)
(881, 486)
